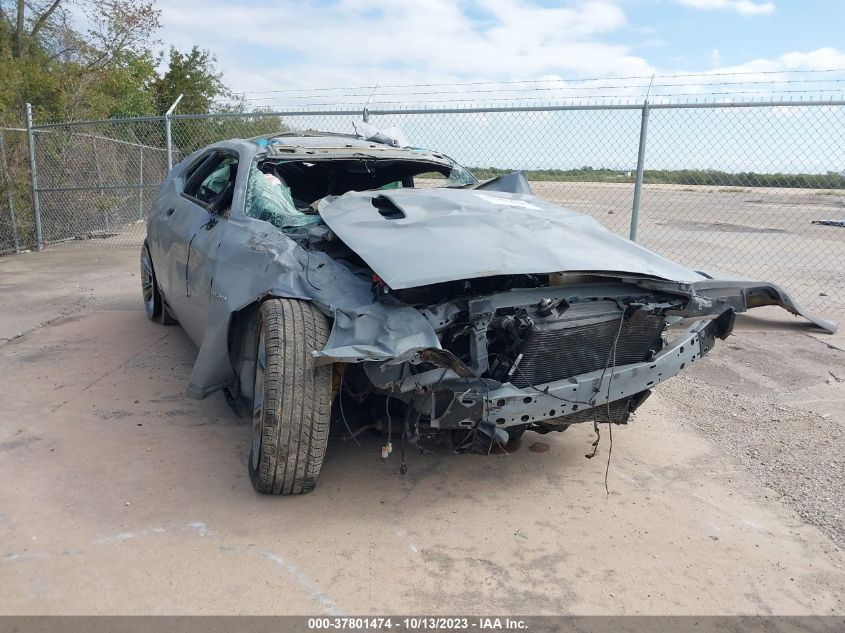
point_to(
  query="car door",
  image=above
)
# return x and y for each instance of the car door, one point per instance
(195, 222)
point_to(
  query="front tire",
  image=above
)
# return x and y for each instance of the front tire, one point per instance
(291, 398)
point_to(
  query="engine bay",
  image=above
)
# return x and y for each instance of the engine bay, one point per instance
(510, 334)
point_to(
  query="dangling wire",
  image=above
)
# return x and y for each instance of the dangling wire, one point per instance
(387, 449)
(209, 224)
(307, 266)
(598, 439)
(611, 358)
(403, 467)
(342, 413)
(609, 419)
(389, 419)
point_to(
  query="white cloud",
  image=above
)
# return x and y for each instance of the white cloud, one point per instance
(761, 78)
(288, 43)
(291, 46)
(744, 7)
(819, 59)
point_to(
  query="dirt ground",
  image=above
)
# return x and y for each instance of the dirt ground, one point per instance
(122, 496)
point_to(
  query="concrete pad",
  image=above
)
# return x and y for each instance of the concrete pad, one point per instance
(123, 496)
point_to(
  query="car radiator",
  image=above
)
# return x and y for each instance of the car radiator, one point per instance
(581, 341)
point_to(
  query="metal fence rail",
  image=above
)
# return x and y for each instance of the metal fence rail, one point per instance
(723, 187)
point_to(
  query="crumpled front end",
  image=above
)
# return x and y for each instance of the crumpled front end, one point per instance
(518, 346)
(541, 359)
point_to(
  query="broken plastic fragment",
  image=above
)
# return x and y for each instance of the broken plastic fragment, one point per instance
(389, 136)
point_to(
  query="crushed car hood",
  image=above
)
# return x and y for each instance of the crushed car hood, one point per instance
(416, 237)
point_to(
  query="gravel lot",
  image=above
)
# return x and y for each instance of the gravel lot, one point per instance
(751, 232)
(123, 496)
(773, 401)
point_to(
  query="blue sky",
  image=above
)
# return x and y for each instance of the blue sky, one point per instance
(295, 44)
(686, 37)
(540, 51)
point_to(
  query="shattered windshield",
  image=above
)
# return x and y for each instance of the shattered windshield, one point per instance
(284, 192)
(460, 176)
(268, 198)
(450, 176)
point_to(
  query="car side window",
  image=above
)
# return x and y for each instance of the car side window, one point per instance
(197, 165)
(213, 182)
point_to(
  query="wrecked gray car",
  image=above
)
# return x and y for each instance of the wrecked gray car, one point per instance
(335, 282)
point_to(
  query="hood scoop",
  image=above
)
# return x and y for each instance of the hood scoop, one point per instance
(387, 208)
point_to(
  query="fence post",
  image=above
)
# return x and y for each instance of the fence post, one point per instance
(167, 136)
(638, 183)
(7, 182)
(141, 189)
(168, 143)
(365, 113)
(100, 191)
(36, 202)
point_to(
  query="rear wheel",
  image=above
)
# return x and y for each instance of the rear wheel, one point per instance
(291, 398)
(154, 306)
(149, 287)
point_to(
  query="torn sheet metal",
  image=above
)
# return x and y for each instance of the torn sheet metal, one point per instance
(737, 293)
(255, 260)
(514, 182)
(744, 294)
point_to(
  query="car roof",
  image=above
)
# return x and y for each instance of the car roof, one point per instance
(324, 141)
(316, 139)
(314, 144)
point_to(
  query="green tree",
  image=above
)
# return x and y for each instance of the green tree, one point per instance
(128, 87)
(69, 74)
(194, 75)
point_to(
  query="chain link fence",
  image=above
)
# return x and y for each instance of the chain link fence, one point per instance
(96, 181)
(729, 189)
(17, 229)
(725, 188)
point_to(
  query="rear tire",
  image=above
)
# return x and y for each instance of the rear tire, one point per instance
(149, 286)
(291, 398)
(154, 306)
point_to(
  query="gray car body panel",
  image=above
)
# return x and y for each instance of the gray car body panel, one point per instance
(448, 234)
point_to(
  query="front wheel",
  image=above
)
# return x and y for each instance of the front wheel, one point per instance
(291, 398)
